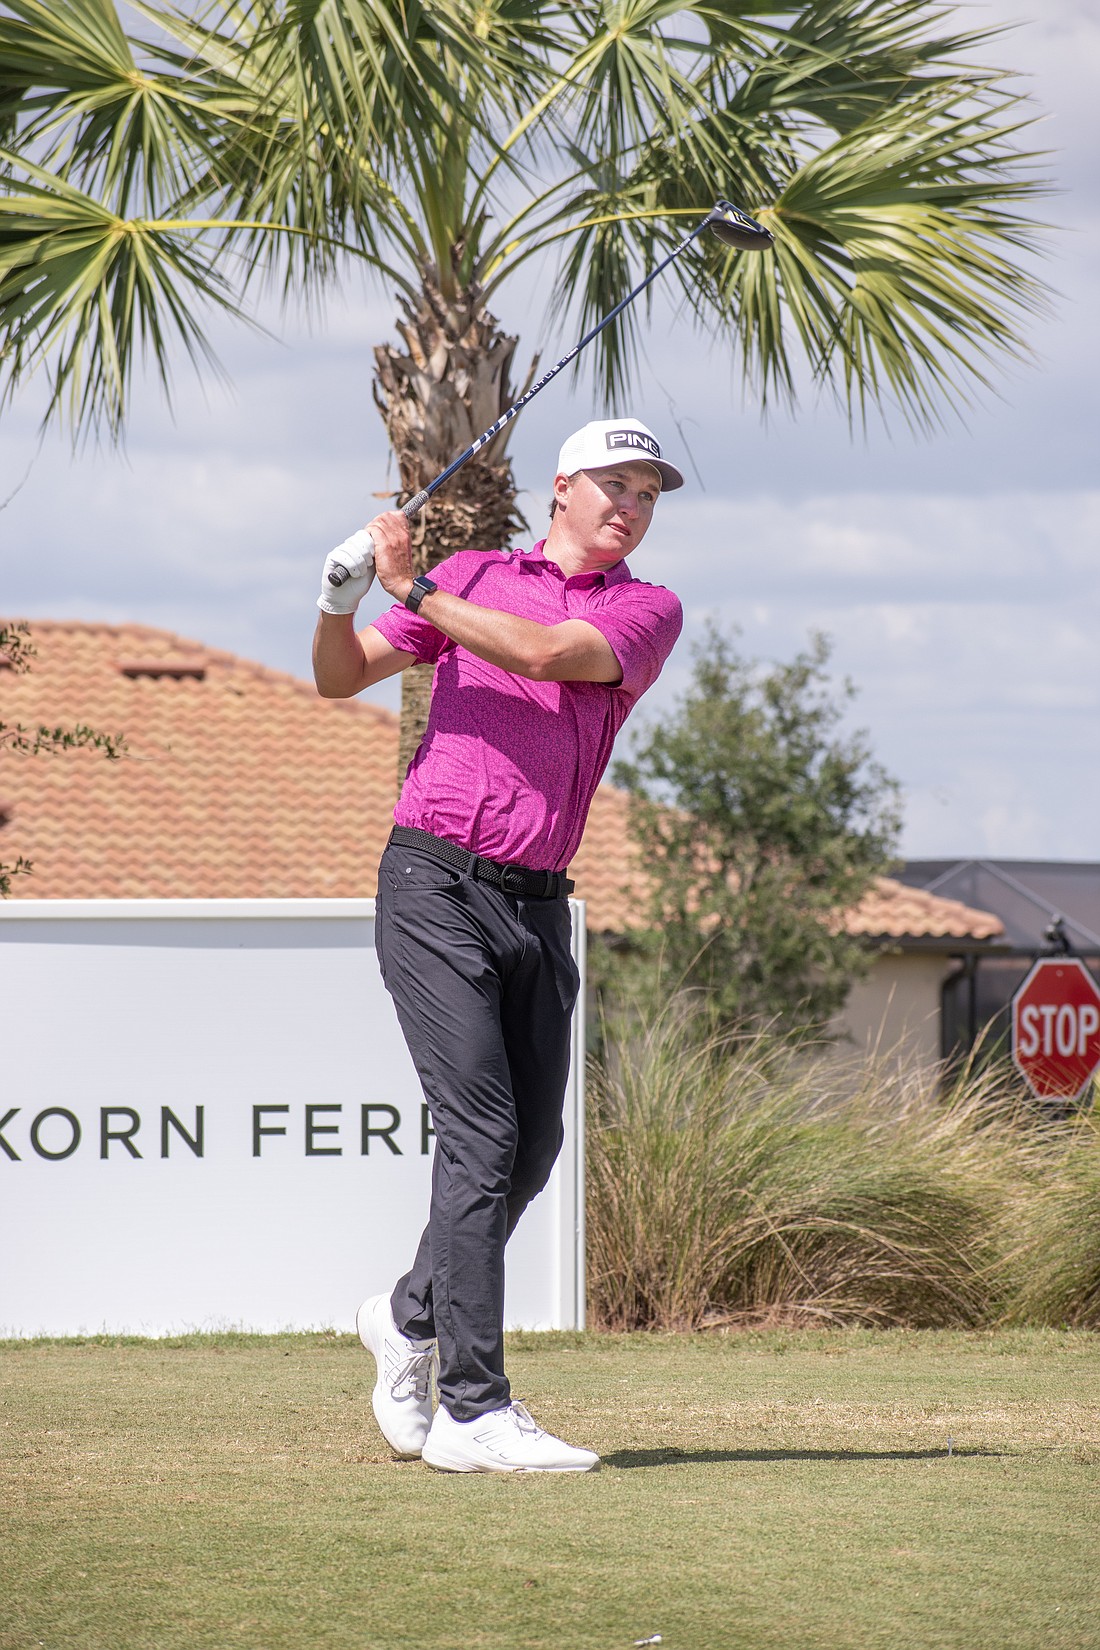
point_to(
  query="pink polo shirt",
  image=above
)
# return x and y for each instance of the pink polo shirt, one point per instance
(507, 767)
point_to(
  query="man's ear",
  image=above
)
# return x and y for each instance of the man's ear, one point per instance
(563, 486)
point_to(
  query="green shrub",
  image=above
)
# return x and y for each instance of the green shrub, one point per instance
(741, 1180)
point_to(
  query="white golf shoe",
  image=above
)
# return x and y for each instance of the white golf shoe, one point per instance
(402, 1396)
(506, 1440)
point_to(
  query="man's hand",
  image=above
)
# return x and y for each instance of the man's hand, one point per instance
(354, 553)
(392, 553)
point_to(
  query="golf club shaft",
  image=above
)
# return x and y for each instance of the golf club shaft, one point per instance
(414, 505)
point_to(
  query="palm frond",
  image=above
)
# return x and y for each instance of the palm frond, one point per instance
(891, 261)
(82, 291)
(358, 59)
(280, 133)
(840, 62)
(99, 118)
(895, 272)
(270, 157)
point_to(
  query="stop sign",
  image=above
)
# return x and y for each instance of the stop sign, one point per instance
(1056, 1028)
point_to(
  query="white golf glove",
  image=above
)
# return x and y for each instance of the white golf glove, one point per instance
(354, 556)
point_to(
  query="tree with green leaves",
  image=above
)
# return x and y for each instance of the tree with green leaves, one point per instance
(758, 824)
(16, 652)
(150, 176)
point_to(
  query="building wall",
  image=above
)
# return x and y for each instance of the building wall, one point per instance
(896, 1008)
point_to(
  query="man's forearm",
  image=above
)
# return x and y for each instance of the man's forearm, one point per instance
(562, 652)
(573, 651)
(339, 664)
(503, 639)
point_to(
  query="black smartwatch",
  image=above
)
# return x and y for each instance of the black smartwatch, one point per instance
(421, 587)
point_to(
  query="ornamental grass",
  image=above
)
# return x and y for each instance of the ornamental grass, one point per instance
(1056, 1263)
(739, 1180)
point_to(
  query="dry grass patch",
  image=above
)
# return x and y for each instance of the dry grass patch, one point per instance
(1054, 1232)
(733, 1179)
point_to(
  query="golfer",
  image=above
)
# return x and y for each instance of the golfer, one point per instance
(540, 655)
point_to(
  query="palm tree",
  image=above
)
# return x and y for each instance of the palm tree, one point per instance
(148, 176)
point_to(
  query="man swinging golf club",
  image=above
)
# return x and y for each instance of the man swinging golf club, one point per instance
(540, 655)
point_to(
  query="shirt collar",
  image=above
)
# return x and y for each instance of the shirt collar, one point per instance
(617, 573)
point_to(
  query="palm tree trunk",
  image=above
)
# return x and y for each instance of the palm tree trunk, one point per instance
(450, 385)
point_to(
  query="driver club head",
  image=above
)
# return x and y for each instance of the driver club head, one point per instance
(735, 228)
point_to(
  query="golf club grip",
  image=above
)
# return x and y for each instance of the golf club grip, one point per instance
(341, 575)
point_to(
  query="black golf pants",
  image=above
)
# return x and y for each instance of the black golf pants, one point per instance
(484, 985)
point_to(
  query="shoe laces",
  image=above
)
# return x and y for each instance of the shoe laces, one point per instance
(412, 1378)
(524, 1420)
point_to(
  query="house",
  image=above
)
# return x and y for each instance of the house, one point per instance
(241, 782)
(923, 941)
(1044, 906)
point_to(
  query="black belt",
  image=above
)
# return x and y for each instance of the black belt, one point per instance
(510, 879)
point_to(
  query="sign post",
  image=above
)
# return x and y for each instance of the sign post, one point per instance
(1056, 1028)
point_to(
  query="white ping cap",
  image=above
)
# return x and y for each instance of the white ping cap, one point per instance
(610, 441)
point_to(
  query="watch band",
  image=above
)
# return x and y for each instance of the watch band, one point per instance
(421, 587)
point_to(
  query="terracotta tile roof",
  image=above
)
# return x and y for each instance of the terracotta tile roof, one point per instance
(238, 782)
(890, 910)
(609, 874)
(241, 782)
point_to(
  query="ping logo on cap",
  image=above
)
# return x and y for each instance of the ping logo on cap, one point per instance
(633, 438)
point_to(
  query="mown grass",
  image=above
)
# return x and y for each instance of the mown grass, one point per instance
(810, 1490)
(739, 1180)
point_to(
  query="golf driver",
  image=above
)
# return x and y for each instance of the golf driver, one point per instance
(731, 225)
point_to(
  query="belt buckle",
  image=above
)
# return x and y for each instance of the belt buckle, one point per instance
(513, 879)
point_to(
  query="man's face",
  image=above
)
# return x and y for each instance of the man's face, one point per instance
(608, 511)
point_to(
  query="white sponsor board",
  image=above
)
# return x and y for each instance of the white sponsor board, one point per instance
(208, 1119)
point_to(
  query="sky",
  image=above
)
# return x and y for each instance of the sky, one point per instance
(956, 574)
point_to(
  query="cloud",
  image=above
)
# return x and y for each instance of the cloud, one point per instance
(968, 626)
(977, 548)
